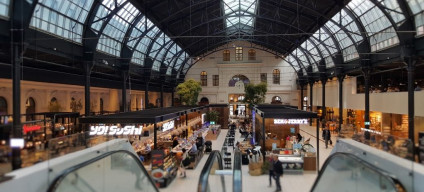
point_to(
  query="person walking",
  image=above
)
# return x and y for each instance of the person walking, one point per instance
(278, 171)
(181, 167)
(326, 135)
(271, 169)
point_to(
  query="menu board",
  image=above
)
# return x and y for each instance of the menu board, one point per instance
(157, 159)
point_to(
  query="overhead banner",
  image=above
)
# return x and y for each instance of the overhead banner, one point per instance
(168, 125)
(115, 130)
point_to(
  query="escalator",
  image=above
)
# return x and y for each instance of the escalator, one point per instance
(348, 173)
(215, 178)
(113, 171)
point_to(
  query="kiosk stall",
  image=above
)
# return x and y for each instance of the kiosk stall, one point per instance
(276, 128)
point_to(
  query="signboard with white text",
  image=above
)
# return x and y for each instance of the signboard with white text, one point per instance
(291, 121)
(115, 130)
(168, 125)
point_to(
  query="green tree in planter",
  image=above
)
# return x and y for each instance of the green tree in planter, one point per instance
(189, 91)
(212, 116)
(76, 106)
(255, 94)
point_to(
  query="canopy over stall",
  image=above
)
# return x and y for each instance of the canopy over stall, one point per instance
(145, 116)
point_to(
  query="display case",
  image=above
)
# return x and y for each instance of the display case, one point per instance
(291, 163)
(170, 169)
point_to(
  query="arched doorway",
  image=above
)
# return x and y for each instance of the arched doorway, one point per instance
(3, 106)
(276, 100)
(30, 109)
(204, 101)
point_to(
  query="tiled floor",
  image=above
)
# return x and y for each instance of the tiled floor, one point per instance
(290, 182)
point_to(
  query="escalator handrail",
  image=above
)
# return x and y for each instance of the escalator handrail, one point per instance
(204, 175)
(237, 176)
(392, 178)
(53, 186)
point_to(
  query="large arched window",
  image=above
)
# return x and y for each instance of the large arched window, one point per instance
(30, 109)
(3, 106)
(276, 100)
(276, 76)
(252, 55)
(204, 78)
(226, 55)
(237, 78)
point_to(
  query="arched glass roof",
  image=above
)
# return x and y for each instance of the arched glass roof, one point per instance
(63, 18)
(379, 30)
(118, 23)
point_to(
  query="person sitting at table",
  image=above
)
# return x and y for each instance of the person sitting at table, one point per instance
(193, 149)
(175, 142)
(147, 147)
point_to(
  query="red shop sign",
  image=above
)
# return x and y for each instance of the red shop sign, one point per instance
(31, 128)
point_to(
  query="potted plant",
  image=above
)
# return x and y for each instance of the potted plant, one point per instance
(189, 91)
(76, 106)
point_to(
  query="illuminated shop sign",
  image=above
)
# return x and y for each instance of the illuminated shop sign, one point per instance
(31, 128)
(115, 130)
(371, 131)
(16, 142)
(290, 121)
(168, 125)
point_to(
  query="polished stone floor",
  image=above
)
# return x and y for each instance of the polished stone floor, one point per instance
(290, 182)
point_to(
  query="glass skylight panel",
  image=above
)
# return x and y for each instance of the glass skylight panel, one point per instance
(116, 28)
(417, 7)
(239, 12)
(138, 58)
(345, 20)
(290, 59)
(341, 36)
(312, 50)
(169, 71)
(180, 60)
(329, 62)
(350, 53)
(314, 68)
(4, 8)
(419, 23)
(393, 9)
(64, 18)
(321, 47)
(326, 40)
(159, 57)
(103, 11)
(299, 54)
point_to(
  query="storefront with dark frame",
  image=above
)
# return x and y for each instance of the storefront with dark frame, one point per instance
(265, 115)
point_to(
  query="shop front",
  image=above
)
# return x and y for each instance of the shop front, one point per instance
(165, 132)
(277, 131)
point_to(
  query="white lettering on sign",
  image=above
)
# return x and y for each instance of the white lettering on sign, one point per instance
(115, 130)
(290, 121)
(168, 125)
(371, 131)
